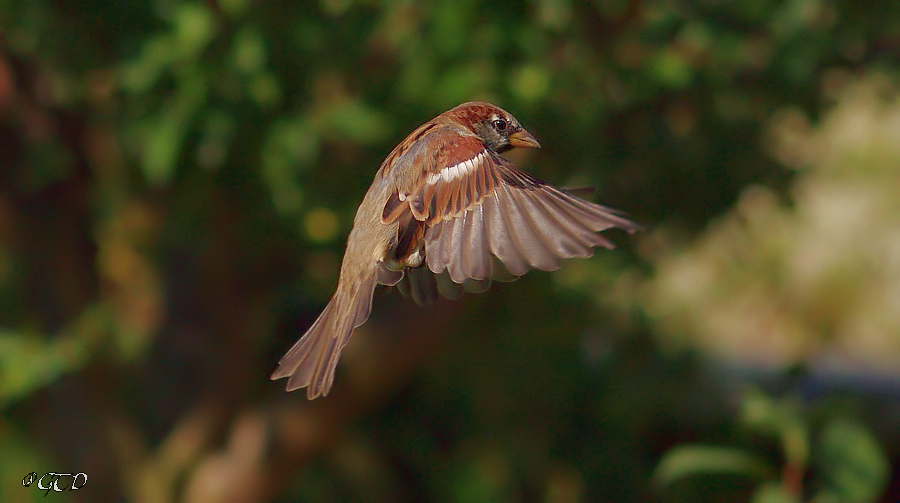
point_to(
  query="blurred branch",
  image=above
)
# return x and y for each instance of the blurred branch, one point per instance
(296, 430)
(153, 476)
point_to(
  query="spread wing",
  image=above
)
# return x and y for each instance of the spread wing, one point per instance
(471, 203)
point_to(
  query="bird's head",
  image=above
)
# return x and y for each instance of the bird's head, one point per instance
(497, 128)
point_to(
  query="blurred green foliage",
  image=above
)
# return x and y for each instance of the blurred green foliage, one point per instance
(849, 463)
(178, 176)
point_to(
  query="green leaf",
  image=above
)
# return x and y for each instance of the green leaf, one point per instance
(29, 362)
(26, 363)
(782, 418)
(194, 26)
(249, 52)
(851, 462)
(532, 83)
(358, 122)
(165, 132)
(692, 460)
(670, 69)
(773, 493)
(484, 477)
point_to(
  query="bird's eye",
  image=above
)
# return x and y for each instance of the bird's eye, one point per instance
(500, 124)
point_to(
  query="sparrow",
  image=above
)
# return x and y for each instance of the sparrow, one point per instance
(445, 204)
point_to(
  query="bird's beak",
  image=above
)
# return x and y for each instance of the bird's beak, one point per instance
(522, 138)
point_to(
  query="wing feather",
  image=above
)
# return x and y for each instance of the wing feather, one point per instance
(557, 235)
(454, 247)
(529, 240)
(475, 251)
(500, 238)
(475, 206)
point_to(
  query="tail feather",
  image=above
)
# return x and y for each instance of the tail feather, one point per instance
(312, 361)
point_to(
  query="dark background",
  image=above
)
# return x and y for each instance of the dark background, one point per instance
(177, 179)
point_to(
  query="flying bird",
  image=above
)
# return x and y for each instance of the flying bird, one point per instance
(446, 212)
